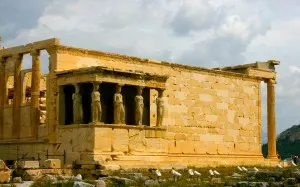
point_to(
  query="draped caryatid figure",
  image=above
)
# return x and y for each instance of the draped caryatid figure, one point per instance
(96, 104)
(77, 105)
(119, 112)
(160, 108)
(139, 106)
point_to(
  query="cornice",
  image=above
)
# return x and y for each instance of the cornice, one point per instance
(143, 61)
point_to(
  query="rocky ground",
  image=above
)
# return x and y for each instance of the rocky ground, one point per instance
(222, 176)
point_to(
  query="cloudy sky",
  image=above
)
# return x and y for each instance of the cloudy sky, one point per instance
(206, 33)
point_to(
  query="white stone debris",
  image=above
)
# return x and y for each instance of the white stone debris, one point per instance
(175, 174)
(191, 172)
(278, 165)
(245, 169)
(197, 173)
(239, 168)
(78, 177)
(157, 173)
(215, 172)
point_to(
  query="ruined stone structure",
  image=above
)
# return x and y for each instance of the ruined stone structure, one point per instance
(135, 112)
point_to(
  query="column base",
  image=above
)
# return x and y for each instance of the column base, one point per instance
(272, 158)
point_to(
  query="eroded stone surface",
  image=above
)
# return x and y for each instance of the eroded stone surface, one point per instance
(52, 163)
(28, 164)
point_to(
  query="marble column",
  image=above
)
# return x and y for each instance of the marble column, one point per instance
(35, 93)
(271, 119)
(139, 106)
(2, 94)
(160, 108)
(17, 96)
(52, 92)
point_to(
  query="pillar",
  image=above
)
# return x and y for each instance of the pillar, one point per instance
(2, 94)
(17, 96)
(52, 92)
(35, 93)
(271, 119)
(61, 111)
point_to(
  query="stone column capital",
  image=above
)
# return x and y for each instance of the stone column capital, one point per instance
(17, 56)
(97, 82)
(160, 91)
(140, 87)
(35, 53)
(51, 50)
(270, 81)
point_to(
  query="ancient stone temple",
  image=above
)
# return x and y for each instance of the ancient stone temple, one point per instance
(116, 109)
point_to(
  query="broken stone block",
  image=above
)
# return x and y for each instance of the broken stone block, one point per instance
(100, 183)
(78, 177)
(32, 174)
(17, 180)
(28, 164)
(4, 172)
(82, 184)
(5, 176)
(52, 163)
(3, 165)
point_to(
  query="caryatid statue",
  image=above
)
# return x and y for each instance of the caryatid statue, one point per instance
(96, 104)
(119, 112)
(77, 105)
(160, 108)
(139, 106)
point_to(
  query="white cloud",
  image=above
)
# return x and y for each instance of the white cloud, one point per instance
(205, 33)
(294, 69)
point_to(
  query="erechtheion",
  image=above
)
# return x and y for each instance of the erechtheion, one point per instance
(117, 109)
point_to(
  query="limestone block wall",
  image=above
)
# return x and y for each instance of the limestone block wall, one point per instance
(130, 140)
(8, 122)
(207, 112)
(212, 114)
(76, 141)
(79, 141)
(25, 128)
(25, 131)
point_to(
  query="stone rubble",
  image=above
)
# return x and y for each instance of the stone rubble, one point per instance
(82, 184)
(5, 172)
(289, 177)
(100, 183)
(52, 163)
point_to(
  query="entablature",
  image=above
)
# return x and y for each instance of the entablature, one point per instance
(118, 76)
(263, 70)
(22, 49)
